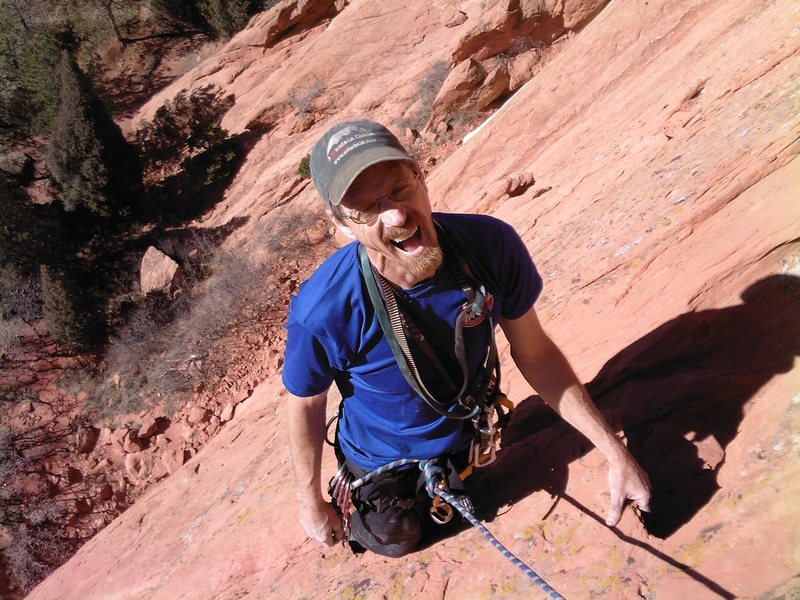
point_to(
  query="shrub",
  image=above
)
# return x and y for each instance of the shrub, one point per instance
(427, 89)
(304, 169)
(30, 234)
(180, 11)
(303, 100)
(34, 552)
(71, 312)
(156, 352)
(226, 17)
(18, 167)
(29, 58)
(181, 129)
(190, 158)
(164, 347)
(20, 296)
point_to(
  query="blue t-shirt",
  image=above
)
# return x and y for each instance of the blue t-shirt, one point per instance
(334, 335)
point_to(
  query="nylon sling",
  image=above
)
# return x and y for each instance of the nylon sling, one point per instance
(397, 326)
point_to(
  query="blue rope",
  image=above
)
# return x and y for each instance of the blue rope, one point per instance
(447, 497)
(434, 474)
(380, 470)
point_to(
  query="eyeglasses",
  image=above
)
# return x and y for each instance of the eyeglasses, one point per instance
(370, 213)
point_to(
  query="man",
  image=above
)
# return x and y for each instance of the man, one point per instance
(427, 265)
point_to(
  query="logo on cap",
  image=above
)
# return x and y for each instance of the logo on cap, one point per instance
(339, 144)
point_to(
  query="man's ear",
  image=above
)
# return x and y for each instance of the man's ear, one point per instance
(343, 229)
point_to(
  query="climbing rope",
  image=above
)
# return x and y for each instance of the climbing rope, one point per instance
(434, 475)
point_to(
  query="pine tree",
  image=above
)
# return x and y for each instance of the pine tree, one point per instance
(29, 234)
(91, 163)
(70, 310)
(179, 11)
(227, 17)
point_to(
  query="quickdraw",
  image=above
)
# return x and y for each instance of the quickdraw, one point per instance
(488, 425)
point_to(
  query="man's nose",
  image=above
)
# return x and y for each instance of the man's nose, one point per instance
(393, 213)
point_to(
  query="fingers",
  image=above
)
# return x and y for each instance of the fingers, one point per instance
(615, 510)
(627, 483)
(334, 536)
(330, 539)
(643, 504)
(640, 500)
(323, 525)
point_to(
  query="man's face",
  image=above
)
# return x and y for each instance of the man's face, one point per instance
(387, 209)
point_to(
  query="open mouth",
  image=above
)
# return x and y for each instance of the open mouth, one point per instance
(409, 243)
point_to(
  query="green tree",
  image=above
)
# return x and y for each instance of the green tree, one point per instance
(71, 310)
(29, 234)
(29, 57)
(179, 11)
(226, 17)
(88, 158)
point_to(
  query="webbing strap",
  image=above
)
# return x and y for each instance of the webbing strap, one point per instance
(385, 305)
(478, 302)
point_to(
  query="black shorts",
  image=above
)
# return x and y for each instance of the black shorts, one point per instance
(392, 510)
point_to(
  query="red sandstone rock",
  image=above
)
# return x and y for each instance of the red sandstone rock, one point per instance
(104, 438)
(495, 85)
(227, 413)
(85, 439)
(461, 83)
(197, 415)
(159, 273)
(74, 475)
(132, 443)
(139, 466)
(147, 426)
(173, 460)
(104, 492)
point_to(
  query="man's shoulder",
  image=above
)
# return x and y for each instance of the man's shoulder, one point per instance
(469, 227)
(333, 288)
(478, 235)
(469, 221)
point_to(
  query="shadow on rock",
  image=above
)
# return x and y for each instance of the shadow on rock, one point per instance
(679, 394)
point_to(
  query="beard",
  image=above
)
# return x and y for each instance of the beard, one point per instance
(425, 263)
(429, 261)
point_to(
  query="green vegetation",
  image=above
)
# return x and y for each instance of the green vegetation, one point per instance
(78, 207)
(33, 549)
(427, 89)
(304, 169)
(33, 34)
(187, 155)
(91, 163)
(28, 236)
(70, 311)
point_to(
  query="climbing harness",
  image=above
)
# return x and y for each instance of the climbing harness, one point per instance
(436, 486)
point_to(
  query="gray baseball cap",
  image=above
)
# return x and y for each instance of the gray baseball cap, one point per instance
(345, 151)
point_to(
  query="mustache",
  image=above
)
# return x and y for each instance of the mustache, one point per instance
(390, 233)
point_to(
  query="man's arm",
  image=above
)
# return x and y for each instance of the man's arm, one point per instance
(306, 435)
(546, 369)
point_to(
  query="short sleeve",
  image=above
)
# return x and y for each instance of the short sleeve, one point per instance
(519, 283)
(307, 367)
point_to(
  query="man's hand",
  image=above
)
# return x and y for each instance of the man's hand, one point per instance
(306, 432)
(322, 523)
(547, 370)
(627, 481)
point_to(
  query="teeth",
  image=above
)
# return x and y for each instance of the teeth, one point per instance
(400, 240)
